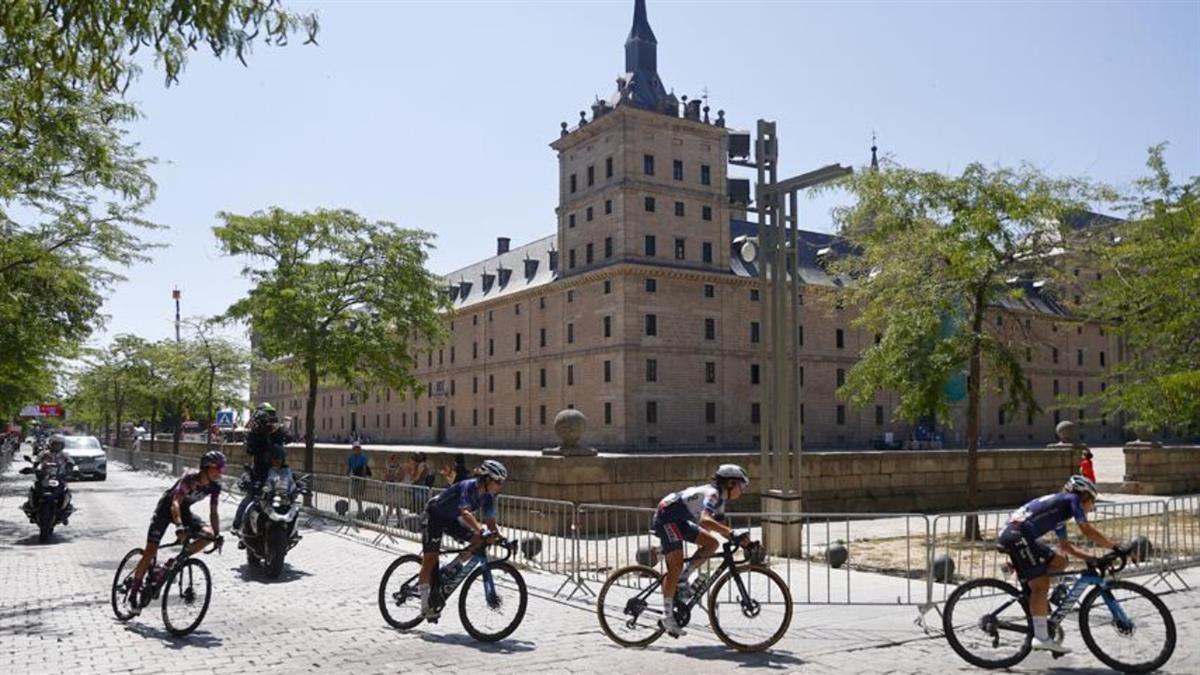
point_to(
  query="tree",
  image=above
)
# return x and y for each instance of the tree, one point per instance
(334, 297)
(1149, 292)
(226, 367)
(934, 255)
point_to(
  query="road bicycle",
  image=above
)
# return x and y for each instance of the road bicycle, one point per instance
(183, 583)
(1125, 625)
(491, 604)
(749, 606)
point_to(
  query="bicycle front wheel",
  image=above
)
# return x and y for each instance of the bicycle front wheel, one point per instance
(122, 580)
(185, 597)
(399, 593)
(630, 605)
(987, 623)
(750, 608)
(1133, 630)
(489, 618)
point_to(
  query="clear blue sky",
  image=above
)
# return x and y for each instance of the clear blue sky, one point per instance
(438, 114)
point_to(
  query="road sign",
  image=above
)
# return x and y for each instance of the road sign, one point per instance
(225, 418)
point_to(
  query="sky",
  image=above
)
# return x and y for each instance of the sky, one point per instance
(438, 115)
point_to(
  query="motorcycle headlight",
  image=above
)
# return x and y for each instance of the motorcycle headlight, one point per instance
(52, 483)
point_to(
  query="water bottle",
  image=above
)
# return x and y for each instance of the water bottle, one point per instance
(1059, 594)
(450, 572)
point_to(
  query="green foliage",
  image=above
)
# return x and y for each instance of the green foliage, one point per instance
(335, 297)
(1150, 291)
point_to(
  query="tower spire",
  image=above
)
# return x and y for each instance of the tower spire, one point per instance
(641, 47)
(874, 157)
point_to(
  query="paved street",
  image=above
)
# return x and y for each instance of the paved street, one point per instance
(322, 615)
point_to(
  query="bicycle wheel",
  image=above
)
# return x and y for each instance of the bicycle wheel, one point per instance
(491, 619)
(185, 597)
(121, 582)
(987, 623)
(628, 615)
(756, 619)
(399, 597)
(1141, 641)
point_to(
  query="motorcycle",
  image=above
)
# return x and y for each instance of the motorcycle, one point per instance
(49, 502)
(269, 527)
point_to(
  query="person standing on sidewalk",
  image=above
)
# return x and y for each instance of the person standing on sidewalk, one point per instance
(356, 467)
(1085, 466)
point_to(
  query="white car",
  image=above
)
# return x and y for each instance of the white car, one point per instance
(88, 456)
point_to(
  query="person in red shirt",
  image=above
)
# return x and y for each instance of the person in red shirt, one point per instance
(1085, 466)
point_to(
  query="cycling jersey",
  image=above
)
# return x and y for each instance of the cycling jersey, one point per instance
(1049, 513)
(190, 489)
(469, 494)
(697, 500)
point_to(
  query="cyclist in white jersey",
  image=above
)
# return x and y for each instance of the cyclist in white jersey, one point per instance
(691, 515)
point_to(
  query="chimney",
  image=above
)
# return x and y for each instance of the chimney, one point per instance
(502, 245)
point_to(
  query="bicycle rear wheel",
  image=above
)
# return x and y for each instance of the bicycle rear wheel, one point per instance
(122, 580)
(753, 615)
(628, 616)
(489, 619)
(399, 596)
(1140, 641)
(987, 623)
(185, 597)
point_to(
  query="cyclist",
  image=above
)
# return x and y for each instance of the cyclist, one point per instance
(174, 507)
(1034, 560)
(692, 515)
(457, 511)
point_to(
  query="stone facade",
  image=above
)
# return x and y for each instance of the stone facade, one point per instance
(1153, 469)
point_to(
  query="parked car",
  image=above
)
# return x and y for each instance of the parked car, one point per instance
(88, 456)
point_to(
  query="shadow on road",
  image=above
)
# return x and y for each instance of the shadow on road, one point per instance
(501, 647)
(247, 572)
(201, 639)
(775, 659)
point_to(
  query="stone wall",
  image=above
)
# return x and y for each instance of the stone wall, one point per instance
(1153, 469)
(858, 482)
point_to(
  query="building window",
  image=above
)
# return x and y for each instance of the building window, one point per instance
(679, 211)
(801, 332)
(491, 417)
(706, 213)
(607, 412)
(878, 415)
(754, 332)
(608, 371)
(1102, 364)
(542, 415)
(652, 285)
(1028, 354)
(588, 214)
(591, 175)
(542, 337)
(841, 338)
(1056, 387)
(650, 247)
(706, 252)
(608, 326)
(1000, 416)
(710, 291)
(570, 376)
(542, 378)
(475, 384)
(755, 413)
(491, 383)
(1054, 354)
(710, 372)
(572, 183)
(677, 169)
(517, 380)
(1079, 357)
(710, 329)
(517, 415)
(607, 207)
(517, 343)
(651, 412)
(571, 220)
(608, 167)
(587, 254)
(841, 415)
(841, 376)
(648, 165)
(491, 347)
(651, 370)
(608, 247)
(570, 296)
(753, 373)
(705, 175)
(680, 249)
(571, 259)
(607, 286)
(710, 412)
(651, 324)
(1079, 388)
(570, 333)
(649, 204)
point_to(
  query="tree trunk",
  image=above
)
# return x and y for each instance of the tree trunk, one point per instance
(973, 388)
(212, 373)
(178, 429)
(119, 404)
(153, 422)
(107, 429)
(310, 410)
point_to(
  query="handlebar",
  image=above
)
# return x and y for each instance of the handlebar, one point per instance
(186, 535)
(1111, 562)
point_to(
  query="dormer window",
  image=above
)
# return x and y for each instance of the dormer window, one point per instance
(530, 268)
(464, 289)
(505, 275)
(488, 280)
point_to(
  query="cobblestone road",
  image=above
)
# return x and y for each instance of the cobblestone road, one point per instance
(322, 616)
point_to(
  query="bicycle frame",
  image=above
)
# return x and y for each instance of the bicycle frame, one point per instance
(183, 557)
(1082, 583)
(638, 603)
(479, 558)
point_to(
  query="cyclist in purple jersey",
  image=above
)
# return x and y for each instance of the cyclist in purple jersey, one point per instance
(1035, 561)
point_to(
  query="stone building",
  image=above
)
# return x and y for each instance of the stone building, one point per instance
(638, 312)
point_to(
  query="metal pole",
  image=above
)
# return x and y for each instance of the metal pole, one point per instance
(793, 340)
(760, 195)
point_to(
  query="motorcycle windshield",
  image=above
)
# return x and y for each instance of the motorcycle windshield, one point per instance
(280, 481)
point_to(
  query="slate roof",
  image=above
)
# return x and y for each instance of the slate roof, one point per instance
(520, 269)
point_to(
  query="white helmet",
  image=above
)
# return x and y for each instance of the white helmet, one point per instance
(733, 471)
(1081, 485)
(493, 469)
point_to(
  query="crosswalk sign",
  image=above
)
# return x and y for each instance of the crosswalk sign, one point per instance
(224, 418)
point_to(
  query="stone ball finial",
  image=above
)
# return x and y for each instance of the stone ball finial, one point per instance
(564, 129)
(570, 424)
(1065, 431)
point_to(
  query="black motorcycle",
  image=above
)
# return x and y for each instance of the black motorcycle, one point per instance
(269, 527)
(49, 500)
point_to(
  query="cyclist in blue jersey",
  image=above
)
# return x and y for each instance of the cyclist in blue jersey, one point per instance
(1035, 561)
(458, 511)
(174, 507)
(691, 515)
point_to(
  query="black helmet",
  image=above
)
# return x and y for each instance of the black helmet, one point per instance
(57, 443)
(213, 458)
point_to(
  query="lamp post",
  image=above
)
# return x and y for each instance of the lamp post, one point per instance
(775, 252)
(175, 295)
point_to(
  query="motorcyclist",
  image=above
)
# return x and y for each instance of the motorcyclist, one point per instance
(54, 454)
(263, 436)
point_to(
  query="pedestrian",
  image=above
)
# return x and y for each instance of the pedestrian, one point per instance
(458, 472)
(357, 467)
(421, 474)
(394, 472)
(1085, 466)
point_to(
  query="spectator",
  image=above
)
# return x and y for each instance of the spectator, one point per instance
(357, 467)
(421, 474)
(1085, 466)
(458, 472)
(394, 471)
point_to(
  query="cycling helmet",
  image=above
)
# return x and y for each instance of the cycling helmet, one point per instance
(732, 471)
(1081, 485)
(265, 407)
(57, 443)
(493, 469)
(213, 458)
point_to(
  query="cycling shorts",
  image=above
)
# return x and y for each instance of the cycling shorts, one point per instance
(162, 520)
(674, 525)
(434, 526)
(1029, 555)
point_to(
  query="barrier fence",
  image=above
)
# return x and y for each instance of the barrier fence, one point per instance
(825, 558)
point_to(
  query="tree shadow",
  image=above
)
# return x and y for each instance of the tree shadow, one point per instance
(247, 572)
(508, 646)
(200, 639)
